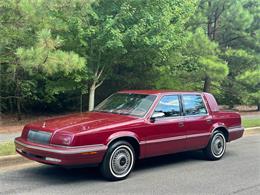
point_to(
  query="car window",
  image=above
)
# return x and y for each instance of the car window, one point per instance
(169, 105)
(127, 104)
(193, 105)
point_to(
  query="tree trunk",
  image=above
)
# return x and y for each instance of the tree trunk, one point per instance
(207, 82)
(11, 105)
(95, 84)
(18, 104)
(258, 106)
(209, 29)
(81, 107)
(209, 21)
(91, 101)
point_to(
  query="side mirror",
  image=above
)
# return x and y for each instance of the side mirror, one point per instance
(157, 115)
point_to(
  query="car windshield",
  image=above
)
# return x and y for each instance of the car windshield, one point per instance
(127, 104)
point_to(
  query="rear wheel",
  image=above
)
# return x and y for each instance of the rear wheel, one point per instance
(216, 146)
(119, 161)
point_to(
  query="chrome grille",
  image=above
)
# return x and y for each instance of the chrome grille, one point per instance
(39, 136)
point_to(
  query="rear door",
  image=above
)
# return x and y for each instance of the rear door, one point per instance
(197, 121)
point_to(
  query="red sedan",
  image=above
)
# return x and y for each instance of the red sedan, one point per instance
(131, 125)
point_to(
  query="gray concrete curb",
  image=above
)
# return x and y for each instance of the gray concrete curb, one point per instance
(252, 130)
(13, 160)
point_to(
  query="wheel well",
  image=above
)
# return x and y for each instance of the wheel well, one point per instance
(224, 131)
(131, 141)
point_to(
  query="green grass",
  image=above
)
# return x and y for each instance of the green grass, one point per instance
(251, 122)
(7, 148)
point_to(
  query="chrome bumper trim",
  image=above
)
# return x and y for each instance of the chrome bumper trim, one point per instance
(68, 150)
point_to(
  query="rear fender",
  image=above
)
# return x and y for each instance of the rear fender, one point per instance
(217, 125)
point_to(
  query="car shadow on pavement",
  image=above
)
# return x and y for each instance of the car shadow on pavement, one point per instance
(59, 175)
(169, 160)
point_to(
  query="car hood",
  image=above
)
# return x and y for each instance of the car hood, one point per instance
(82, 122)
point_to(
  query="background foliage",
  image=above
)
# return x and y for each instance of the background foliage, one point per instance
(61, 55)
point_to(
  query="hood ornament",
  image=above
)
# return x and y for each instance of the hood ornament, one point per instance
(44, 124)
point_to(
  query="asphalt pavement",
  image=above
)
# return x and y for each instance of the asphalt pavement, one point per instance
(5, 137)
(238, 172)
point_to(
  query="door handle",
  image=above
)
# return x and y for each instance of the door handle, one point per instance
(181, 124)
(209, 120)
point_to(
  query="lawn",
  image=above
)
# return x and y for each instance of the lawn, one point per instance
(251, 122)
(7, 148)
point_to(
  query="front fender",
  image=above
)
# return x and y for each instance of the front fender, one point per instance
(122, 134)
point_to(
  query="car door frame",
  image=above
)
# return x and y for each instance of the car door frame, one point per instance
(197, 138)
(159, 144)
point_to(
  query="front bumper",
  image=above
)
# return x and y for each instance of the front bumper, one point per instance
(60, 155)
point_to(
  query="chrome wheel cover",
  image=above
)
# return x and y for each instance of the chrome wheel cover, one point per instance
(218, 145)
(121, 161)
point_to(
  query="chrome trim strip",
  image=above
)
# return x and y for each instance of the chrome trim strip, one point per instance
(174, 138)
(70, 150)
(165, 139)
(198, 135)
(196, 115)
(234, 127)
(169, 118)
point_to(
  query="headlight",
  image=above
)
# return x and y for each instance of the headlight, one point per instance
(67, 140)
(62, 139)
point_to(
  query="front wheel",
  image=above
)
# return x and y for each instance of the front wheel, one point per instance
(216, 146)
(118, 161)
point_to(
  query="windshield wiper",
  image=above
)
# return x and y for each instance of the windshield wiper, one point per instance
(121, 113)
(101, 111)
(113, 112)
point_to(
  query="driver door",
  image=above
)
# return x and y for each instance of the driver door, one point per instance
(166, 134)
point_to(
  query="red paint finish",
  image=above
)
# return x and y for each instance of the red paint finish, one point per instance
(69, 158)
(80, 139)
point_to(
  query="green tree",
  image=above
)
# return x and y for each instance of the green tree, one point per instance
(234, 27)
(251, 83)
(16, 31)
(27, 55)
(199, 59)
(239, 36)
(132, 33)
(51, 51)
